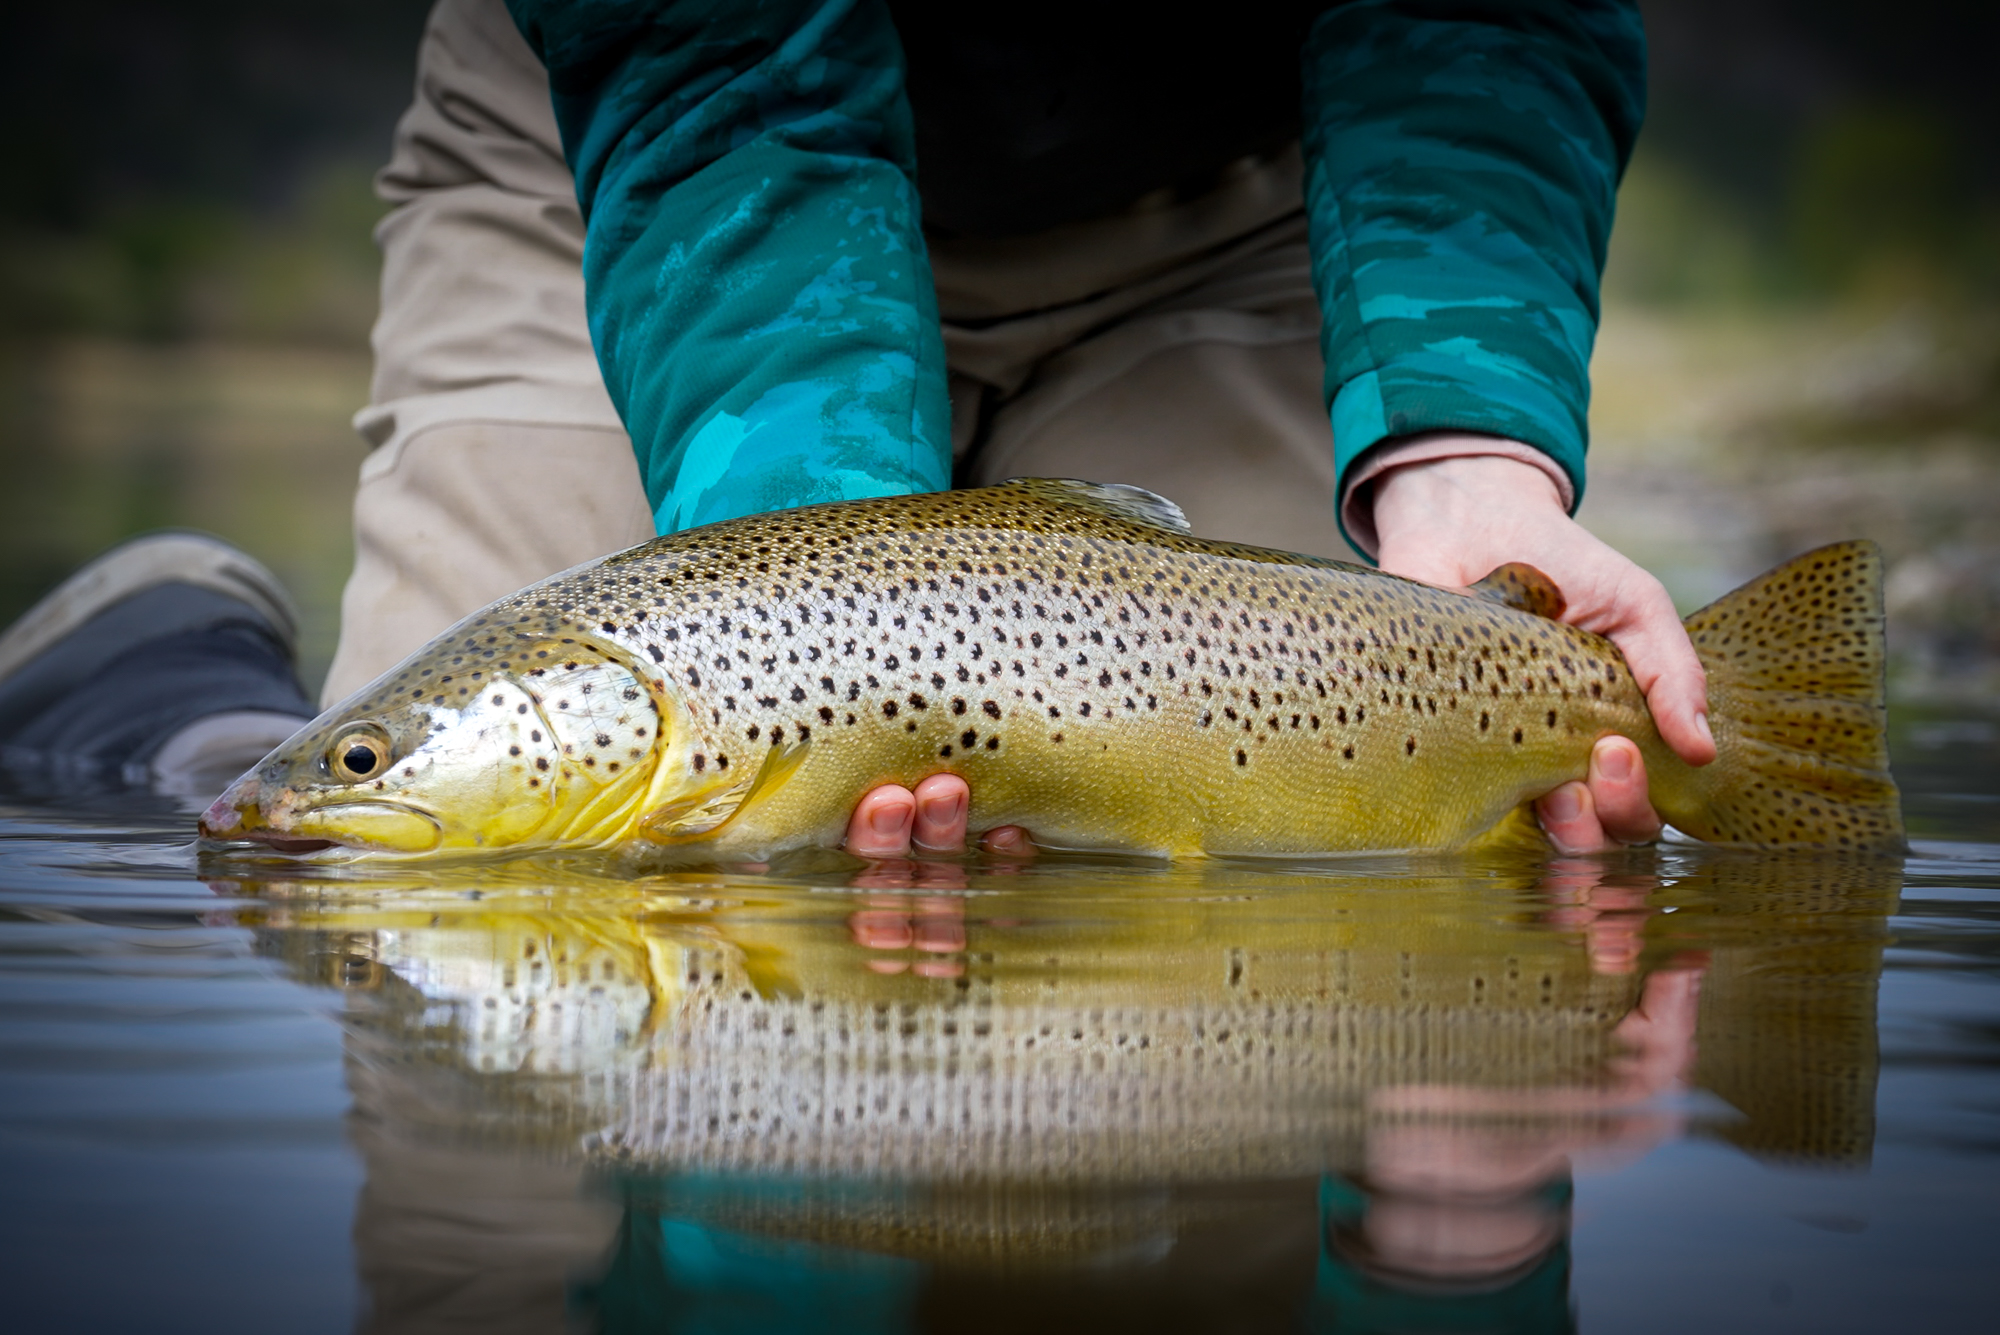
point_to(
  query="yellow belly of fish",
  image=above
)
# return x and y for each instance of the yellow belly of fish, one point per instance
(1159, 782)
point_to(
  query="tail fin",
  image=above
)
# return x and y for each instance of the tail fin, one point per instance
(1795, 665)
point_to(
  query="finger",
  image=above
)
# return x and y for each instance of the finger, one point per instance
(1664, 663)
(1570, 820)
(1617, 785)
(880, 826)
(942, 803)
(1009, 841)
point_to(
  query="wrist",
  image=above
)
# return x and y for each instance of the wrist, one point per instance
(1444, 473)
(1450, 521)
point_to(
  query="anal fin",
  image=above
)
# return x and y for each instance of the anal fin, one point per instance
(1519, 831)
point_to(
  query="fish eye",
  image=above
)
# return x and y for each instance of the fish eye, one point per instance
(358, 754)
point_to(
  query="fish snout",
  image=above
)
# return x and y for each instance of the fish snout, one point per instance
(220, 821)
(235, 813)
(240, 815)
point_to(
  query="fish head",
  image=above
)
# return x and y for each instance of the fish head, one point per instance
(552, 744)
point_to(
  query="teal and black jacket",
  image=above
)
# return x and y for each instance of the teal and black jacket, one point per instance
(761, 299)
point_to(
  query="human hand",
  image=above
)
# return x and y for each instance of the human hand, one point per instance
(1451, 521)
(891, 821)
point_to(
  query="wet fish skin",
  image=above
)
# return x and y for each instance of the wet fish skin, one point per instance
(1094, 671)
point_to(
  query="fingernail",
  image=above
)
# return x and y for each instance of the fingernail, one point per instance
(889, 818)
(1701, 726)
(1615, 763)
(942, 811)
(1565, 803)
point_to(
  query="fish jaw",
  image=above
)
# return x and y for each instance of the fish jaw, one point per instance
(283, 819)
(374, 827)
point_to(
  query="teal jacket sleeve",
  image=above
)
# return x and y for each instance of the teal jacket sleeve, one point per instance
(758, 290)
(1462, 163)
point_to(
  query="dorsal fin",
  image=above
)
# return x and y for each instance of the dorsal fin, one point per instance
(1118, 498)
(1520, 586)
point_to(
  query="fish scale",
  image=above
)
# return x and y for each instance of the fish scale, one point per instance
(1096, 672)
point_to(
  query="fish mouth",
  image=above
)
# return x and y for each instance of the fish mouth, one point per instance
(279, 843)
(367, 827)
(242, 815)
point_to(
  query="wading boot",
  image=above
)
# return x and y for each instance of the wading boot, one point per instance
(166, 664)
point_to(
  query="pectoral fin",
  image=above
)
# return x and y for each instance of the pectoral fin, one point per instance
(703, 812)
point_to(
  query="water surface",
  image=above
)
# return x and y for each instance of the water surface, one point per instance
(1669, 1090)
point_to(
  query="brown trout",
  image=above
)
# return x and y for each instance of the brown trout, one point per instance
(1096, 673)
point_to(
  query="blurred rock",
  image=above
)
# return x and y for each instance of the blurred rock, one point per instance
(1726, 442)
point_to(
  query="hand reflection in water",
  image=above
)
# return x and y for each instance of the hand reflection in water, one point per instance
(932, 926)
(1610, 911)
(1468, 1184)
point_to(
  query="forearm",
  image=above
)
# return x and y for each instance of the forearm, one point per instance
(1462, 160)
(759, 295)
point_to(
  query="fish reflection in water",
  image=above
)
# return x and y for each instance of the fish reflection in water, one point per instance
(1178, 1098)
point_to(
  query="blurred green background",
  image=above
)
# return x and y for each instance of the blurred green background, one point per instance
(1801, 338)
